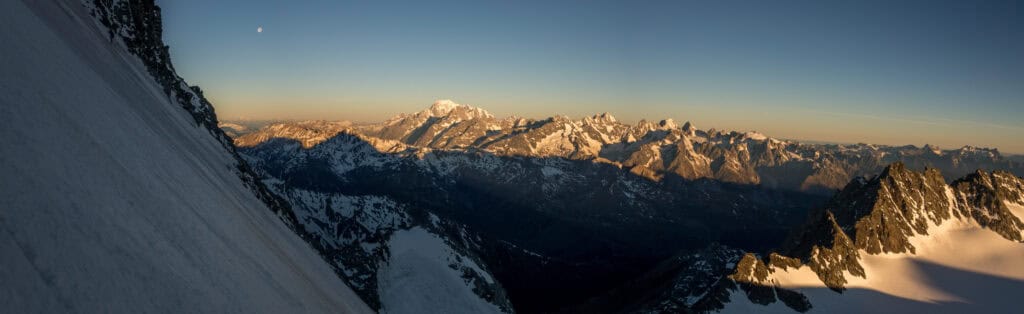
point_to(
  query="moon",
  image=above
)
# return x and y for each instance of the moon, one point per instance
(259, 29)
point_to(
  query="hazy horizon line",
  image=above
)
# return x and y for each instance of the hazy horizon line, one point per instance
(803, 140)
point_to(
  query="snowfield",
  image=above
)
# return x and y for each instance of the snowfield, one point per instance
(959, 267)
(113, 200)
(418, 279)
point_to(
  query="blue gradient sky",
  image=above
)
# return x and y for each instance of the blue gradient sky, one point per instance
(942, 72)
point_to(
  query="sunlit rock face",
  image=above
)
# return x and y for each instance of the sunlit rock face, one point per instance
(902, 235)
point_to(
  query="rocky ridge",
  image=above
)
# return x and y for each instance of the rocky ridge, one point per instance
(881, 215)
(654, 150)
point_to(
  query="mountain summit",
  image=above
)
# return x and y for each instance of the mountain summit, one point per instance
(445, 107)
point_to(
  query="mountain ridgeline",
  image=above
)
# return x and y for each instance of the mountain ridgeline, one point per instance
(648, 149)
(902, 241)
(899, 214)
(124, 193)
(596, 215)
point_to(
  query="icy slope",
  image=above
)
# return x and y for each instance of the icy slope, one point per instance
(113, 200)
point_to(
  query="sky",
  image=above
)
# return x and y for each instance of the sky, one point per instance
(947, 73)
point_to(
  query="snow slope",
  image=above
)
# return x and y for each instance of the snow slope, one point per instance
(114, 201)
(400, 259)
(418, 277)
(959, 267)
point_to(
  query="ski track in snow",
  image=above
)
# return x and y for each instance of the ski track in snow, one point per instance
(115, 201)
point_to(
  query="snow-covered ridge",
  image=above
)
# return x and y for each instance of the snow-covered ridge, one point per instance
(901, 235)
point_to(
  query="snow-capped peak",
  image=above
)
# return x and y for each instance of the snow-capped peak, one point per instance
(442, 107)
(754, 135)
(446, 107)
(606, 117)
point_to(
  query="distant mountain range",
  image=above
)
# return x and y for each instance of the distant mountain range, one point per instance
(593, 214)
(648, 149)
(123, 193)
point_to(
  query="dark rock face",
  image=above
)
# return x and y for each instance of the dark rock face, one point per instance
(905, 202)
(746, 272)
(983, 196)
(833, 254)
(878, 216)
(139, 26)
